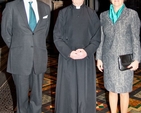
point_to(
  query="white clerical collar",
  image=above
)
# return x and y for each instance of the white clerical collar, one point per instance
(78, 7)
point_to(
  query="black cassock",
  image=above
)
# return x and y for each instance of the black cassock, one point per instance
(76, 79)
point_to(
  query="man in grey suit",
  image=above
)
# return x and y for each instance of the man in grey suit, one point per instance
(27, 60)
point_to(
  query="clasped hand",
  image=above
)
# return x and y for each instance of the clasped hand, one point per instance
(78, 54)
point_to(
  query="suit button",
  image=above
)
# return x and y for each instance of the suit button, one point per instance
(32, 46)
(32, 33)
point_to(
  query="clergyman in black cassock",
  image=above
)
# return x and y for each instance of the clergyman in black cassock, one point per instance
(77, 37)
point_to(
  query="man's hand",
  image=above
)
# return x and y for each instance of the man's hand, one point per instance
(78, 54)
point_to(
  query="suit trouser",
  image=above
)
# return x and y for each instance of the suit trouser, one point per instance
(23, 83)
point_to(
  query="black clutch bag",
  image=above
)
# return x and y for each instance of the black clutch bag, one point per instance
(124, 61)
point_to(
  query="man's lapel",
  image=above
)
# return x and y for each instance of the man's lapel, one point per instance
(40, 14)
(22, 11)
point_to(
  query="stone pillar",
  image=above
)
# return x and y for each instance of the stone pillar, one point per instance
(91, 4)
(49, 2)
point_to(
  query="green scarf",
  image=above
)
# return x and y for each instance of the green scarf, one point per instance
(114, 16)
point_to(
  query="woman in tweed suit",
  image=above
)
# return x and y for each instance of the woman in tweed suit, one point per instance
(120, 27)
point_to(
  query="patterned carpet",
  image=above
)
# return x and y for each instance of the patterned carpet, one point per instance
(7, 92)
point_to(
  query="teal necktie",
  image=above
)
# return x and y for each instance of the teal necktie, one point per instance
(32, 17)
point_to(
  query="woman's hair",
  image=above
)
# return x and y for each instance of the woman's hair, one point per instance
(124, 0)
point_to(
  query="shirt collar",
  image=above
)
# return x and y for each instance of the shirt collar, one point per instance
(30, 1)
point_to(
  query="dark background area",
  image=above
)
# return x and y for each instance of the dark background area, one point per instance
(102, 6)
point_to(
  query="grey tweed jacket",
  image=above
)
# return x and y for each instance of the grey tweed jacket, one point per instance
(119, 39)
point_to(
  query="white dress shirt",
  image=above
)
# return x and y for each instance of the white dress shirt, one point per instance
(34, 6)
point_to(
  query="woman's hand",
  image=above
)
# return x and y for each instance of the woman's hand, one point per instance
(134, 65)
(100, 65)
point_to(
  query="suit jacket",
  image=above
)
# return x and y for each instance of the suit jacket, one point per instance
(27, 49)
